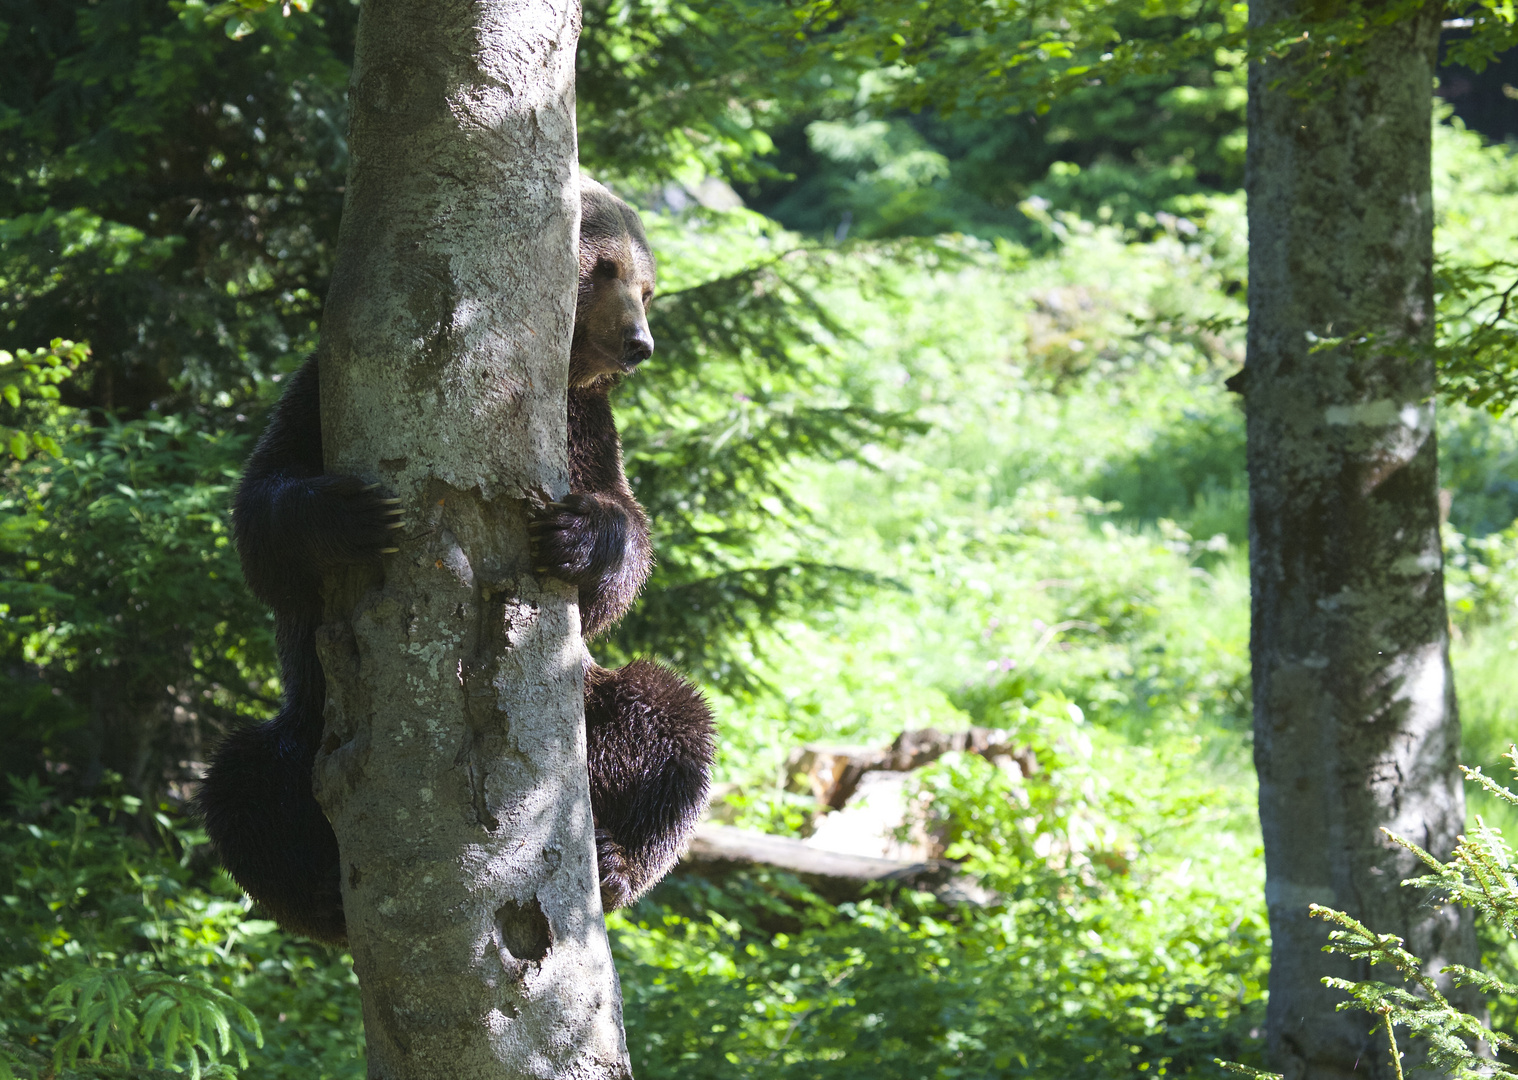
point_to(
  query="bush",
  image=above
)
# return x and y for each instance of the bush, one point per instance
(120, 953)
(1116, 942)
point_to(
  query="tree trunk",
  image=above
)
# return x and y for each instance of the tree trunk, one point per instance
(1354, 717)
(453, 768)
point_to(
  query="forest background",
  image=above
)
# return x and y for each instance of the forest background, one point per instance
(936, 435)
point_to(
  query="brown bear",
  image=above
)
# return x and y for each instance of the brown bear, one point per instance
(649, 731)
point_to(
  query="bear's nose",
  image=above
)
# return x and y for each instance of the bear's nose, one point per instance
(637, 346)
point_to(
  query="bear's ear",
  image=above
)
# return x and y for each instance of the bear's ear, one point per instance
(601, 213)
(611, 230)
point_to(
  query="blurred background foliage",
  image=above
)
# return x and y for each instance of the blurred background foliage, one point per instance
(936, 435)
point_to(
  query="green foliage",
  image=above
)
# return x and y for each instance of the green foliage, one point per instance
(1493, 30)
(1103, 950)
(1476, 452)
(1143, 97)
(1007, 581)
(119, 580)
(749, 384)
(1121, 153)
(173, 193)
(1013, 54)
(33, 375)
(677, 90)
(171, 197)
(120, 955)
(1477, 263)
(1479, 327)
(948, 116)
(120, 1015)
(237, 12)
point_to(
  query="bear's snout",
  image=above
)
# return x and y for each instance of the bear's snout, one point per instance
(637, 346)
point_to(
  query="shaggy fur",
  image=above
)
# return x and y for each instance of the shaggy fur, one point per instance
(649, 731)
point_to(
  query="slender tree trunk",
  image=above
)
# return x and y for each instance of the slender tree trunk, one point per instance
(1354, 718)
(453, 768)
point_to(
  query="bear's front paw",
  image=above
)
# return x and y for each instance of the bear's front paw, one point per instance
(350, 521)
(616, 885)
(578, 539)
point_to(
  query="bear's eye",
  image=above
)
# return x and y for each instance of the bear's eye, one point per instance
(605, 269)
(648, 295)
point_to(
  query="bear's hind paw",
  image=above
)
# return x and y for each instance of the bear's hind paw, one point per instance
(616, 884)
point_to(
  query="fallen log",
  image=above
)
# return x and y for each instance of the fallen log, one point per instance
(832, 773)
(717, 850)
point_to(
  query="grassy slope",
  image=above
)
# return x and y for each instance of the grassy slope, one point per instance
(1084, 470)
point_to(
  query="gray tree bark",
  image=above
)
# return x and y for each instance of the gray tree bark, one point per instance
(453, 767)
(1354, 717)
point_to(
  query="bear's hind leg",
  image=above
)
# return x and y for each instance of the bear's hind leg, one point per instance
(650, 745)
(270, 831)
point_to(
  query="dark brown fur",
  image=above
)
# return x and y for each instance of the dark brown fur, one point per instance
(649, 731)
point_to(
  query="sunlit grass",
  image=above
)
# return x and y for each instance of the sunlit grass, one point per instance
(1486, 681)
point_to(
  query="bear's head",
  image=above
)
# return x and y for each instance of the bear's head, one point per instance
(616, 283)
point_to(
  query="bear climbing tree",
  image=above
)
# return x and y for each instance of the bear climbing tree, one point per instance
(648, 731)
(453, 762)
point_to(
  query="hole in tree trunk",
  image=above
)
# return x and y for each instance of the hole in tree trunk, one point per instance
(524, 929)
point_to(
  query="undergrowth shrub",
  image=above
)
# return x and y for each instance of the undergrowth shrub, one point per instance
(120, 956)
(1108, 946)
